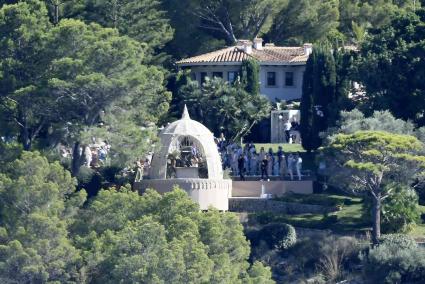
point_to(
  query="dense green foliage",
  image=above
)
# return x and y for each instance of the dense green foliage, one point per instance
(74, 70)
(398, 240)
(154, 238)
(38, 204)
(399, 211)
(53, 91)
(46, 235)
(223, 107)
(396, 260)
(392, 65)
(323, 93)
(281, 236)
(202, 26)
(250, 76)
(302, 21)
(141, 20)
(368, 160)
(276, 235)
(352, 121)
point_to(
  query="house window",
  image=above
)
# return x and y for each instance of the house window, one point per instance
(271, 78)
(289, 78)
(203, 77)
(232, 76)
(193, 76)
(217, 74)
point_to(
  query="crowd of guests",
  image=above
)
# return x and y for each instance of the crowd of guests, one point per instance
(94, 154)
(241, 161)
(247, 161)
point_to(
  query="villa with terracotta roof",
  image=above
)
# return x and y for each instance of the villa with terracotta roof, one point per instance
(281, 68)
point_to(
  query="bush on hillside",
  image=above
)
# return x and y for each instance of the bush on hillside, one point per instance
(399, 210)
(110, 173)
(278, 235)
(85, 175)
(90, 180)
(398, 241)
(397, 259)
(335, 255)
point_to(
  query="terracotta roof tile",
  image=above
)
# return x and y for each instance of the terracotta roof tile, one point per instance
(269, 54)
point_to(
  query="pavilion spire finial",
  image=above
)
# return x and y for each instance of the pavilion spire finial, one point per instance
(185, 114)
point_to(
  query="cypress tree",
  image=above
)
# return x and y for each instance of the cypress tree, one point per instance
(319, 101)
(323, 93)
(250, 76)
(306, 108)
(343, 62)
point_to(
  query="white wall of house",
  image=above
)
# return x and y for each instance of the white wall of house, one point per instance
(278, 91)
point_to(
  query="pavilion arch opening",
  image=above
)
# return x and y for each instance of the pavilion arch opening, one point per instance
(186, 159)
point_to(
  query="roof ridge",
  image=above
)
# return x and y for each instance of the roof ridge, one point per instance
(207, 54)
(237, 53)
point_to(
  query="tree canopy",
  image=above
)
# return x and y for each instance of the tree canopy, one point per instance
(68, 77)
(46, 234)
(324, 92)
(38, 203)
(391, 67)
(368, 160)
(224, 107)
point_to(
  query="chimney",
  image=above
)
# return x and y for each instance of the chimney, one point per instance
(308, 48)
(258, 43)
(245, 45)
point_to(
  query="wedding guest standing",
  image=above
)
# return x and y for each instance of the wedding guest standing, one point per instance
(291, 165)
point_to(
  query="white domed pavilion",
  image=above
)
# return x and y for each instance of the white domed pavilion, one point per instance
(189, 158)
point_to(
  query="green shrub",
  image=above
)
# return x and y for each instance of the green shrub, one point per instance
(110, 173)
(398, 241)
(396, 260)
(264, 217)
(336, 254)
(278, 235)
(399, 210)
(85, 175)
(90, 180)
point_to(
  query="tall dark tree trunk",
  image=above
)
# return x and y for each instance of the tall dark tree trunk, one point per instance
(76, 159)
(26, 139)
(56, 13)
(376, 215)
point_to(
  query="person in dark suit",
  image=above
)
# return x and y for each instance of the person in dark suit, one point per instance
(264, 167)
(241, 166)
